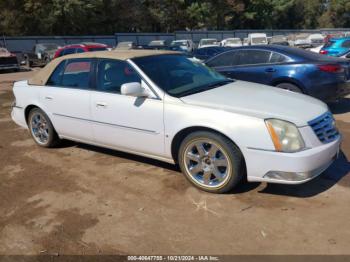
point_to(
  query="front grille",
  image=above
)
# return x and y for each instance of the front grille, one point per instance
(10, 60)
(324, 128)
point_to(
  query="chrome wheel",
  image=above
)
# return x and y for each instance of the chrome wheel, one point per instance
(207, 163)
(40, 128)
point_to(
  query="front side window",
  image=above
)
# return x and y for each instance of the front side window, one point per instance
(179, 76)
(253, 57)
(112, 74)
(77, 73)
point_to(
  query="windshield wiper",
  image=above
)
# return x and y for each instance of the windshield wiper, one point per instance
(205, 87)
(217, 84)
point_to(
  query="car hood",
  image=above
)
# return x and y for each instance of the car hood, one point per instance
(260, 101)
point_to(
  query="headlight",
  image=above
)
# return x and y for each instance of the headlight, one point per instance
(285, 136)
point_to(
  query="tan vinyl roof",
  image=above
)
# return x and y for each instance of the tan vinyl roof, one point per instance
(43, 75)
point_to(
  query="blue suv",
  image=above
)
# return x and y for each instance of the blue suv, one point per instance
(336, 47)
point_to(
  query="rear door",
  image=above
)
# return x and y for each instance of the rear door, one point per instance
(66, 98)
(253, 65)
(248, 65)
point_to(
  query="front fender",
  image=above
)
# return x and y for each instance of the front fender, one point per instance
(245, 131)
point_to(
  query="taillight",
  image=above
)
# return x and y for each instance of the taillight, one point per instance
(331, 68)
(323, 52)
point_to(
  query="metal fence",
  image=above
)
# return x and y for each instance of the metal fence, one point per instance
(26, 43)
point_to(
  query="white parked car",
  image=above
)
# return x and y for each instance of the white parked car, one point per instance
(127, 45)
(185, 45)
(161, 105)
(208, 42)
(231, 42)
(316, 40)
(257, 39)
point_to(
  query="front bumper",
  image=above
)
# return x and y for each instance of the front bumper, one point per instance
(290, 168)
(9, 67)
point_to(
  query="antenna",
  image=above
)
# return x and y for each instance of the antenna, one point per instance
(4, 40)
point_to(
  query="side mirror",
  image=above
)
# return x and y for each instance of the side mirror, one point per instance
(348, 55)
(134, 89)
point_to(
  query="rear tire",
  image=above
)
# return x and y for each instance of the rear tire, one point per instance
(41, 129)
(290, 87)
(210, 161)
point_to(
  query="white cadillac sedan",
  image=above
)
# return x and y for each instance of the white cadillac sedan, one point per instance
(161, 105)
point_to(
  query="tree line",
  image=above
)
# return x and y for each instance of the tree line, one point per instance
(85, 17)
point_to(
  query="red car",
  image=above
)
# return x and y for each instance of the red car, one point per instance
(80, 48)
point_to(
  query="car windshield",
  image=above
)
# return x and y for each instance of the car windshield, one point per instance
(156, 43)
(179, 76)
(178, 43)
(208, 42)
(233, 41)
(47, 47)
(259, 40)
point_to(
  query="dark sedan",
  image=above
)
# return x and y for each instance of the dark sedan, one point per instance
(298, 70)
(8, 60)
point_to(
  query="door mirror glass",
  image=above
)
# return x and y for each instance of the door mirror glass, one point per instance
(348, 55)
(134, 89)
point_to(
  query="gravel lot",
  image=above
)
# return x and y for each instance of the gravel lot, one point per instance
(79, 199)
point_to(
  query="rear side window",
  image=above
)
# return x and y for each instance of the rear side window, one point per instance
(328, 44)
(225, 59)
(277, 58)
(253, 57)
(56, 76)
(77, 73)
(80, 50)
(69, 51)
(112, 74)
(346, 44)
(92, 49)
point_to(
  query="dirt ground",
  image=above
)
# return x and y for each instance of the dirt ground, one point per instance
(79, 199)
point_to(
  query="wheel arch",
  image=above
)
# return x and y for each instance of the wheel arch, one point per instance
(289, 80)
(29, 108)
(181, 135)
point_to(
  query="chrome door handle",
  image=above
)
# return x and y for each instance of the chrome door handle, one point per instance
(101, 104)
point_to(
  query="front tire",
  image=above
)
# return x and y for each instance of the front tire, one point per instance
(41, 129)
(210, 161)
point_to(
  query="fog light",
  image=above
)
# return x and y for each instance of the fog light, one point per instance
(288, 176)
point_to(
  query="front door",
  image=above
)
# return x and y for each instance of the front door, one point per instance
(125, 122)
